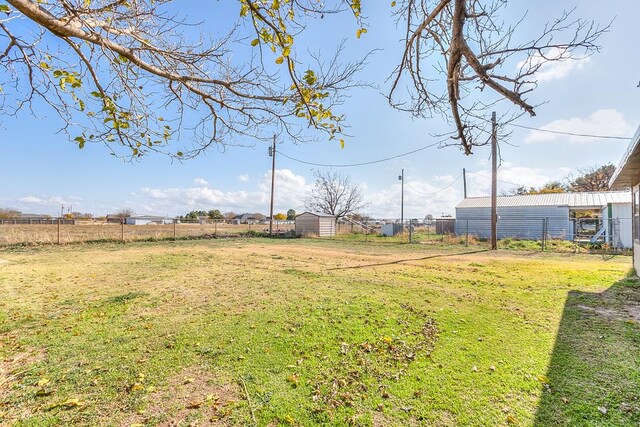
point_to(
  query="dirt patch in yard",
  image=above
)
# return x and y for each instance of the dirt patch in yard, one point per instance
(195, 396)
(626, 312)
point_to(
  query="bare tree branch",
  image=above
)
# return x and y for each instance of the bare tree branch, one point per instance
(133, 74)
(335, 194)
(465, 41)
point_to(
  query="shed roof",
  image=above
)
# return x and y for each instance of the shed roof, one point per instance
(628, 171)
(573, 200)
(319, 214)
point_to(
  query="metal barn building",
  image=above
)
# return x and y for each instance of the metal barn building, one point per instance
(317, 224)
(534, 215)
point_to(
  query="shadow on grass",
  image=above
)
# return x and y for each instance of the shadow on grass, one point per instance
(400, 261)
(594, 372)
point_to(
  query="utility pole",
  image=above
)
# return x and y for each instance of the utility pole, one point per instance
(401, 178)
(272, 154)
(464, 181)
(494, 182)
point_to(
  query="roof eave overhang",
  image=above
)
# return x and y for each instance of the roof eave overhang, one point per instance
(627, 173)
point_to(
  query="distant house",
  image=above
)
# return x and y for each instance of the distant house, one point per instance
(627, 175)
(147, 220)
(317, 224)
(249, 218)
(114, 219)
(554, 215)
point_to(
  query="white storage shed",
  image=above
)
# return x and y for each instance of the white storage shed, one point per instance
(315, 224)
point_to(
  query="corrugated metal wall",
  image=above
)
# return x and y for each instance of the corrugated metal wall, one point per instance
(315, 225)
(523, 222)
(327, 227)
(307, 224)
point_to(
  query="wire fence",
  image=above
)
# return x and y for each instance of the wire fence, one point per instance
(61, 231)
(545, 234)
(601, 235)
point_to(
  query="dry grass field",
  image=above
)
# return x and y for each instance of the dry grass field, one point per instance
(47, 233)
(307, 332)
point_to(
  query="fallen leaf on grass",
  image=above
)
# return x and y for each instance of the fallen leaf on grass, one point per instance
(511, 419)
(543, 379)
(196, 404)
(73, 403)
(602, 409)
(294, 379)
(136, 387)
(43, 381)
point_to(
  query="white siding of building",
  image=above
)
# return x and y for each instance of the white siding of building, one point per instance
(620, 223)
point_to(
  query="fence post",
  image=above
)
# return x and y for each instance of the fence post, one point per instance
(411, 231)
(366, 229)
(467, 233)
(175, 222)
(215, 228)
(58, 230)
(544, 234)
(122, 230)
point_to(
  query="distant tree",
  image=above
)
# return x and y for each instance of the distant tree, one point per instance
(428, 218)
(230, 215)
(215, 214)
(335, 194)
(291, 214)
(125, 213)
(519, 191)
(594, 178)
(9, 213)
(196, 214)
(280, 216)
(550, 187)
(69, 215)
(258, 216)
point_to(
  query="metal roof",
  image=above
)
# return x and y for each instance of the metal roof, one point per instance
(319, 214)
(628, 171)
(573, 200)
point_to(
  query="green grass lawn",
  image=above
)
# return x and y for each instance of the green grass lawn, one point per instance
(316, 332)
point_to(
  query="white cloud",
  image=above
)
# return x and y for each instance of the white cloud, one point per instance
(556, 65)
(244, 177)
(46, 204)
(290, 189)
(200, 182)
(511, 176)
(30, 199)
(420, 198)
(601, 122)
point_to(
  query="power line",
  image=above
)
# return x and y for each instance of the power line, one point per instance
(583, 135)
(500, 180)
(437, 191)
(386, 159)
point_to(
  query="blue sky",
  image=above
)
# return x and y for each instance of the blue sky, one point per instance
(40, 169)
